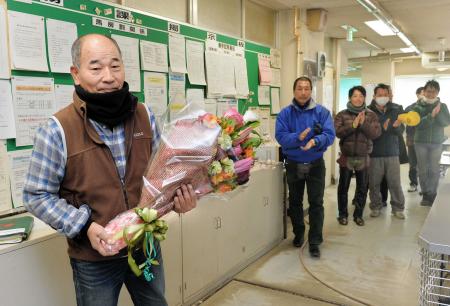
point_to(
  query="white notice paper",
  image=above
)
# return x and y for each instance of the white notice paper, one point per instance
(225, 104)
(276, 77)
(177, 93)
(213, 73)
(275, 58)
(4, 50)
(63, 96)
(275, 97)
(177, 53)
(7, 127)
(34, 103)
(240, 73)
(211, 106)
(154, 56)
(60, 37)
(5, 190)
(264, 128)
(27, 41)
(264, 95)
(228, 80)
(195, 95)
(130, 55)
(195, 53)
(155, 90)
(18, 168)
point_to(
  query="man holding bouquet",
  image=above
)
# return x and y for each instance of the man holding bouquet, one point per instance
(87, 167)
(305, 130)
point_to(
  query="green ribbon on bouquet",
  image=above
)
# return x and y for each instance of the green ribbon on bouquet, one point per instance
(145, 234)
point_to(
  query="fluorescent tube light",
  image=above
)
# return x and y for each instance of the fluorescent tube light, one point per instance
(404, 39)
(368, 5)
(407, 50)
(380, 27)
(370, 43)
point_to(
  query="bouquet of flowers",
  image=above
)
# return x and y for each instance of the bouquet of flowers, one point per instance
(210, 153)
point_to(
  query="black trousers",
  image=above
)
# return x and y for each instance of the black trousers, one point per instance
(412, 165)
(315, 185)
(345, 176)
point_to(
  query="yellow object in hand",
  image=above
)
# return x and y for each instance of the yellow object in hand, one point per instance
(409, 118)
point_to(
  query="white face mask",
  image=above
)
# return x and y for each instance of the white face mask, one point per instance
(430, 101)
(382, 101)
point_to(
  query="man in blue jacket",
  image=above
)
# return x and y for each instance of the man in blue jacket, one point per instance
(305, 130)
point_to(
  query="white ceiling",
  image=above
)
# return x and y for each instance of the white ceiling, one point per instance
(423, 21)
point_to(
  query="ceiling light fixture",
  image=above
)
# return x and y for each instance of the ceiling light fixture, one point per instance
(380, 27)
(381, 15)
(370, 43)
(407, 50)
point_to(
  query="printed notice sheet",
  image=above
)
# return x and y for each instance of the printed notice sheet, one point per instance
(60, 37)
(5, 189)
(211, 106)
(18, 168)
(34, 103)
(195, 95)
(155, 90)
(276, 77)
(265, 74)
(154, 56)
(4, 50)
(275, 58)
(130, 55)
(27, 41)
(240, 73)
(275, 97)
(7, 127)
(63, 96)
(264, 95)
(177, 93)
(195, 52)
(177, 53)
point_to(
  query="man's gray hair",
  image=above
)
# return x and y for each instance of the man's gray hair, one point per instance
(78, 43)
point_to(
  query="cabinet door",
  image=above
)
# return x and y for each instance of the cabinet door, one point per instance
(274, 206)
(254, 227)
(200, 235)
(173, 262)
(234, 216)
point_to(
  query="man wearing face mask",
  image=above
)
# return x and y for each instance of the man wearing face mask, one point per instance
(87, 166)
(410, 131)
(384, 159)
(429, 136)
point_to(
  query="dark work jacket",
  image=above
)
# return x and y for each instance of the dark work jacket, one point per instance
(387, 144)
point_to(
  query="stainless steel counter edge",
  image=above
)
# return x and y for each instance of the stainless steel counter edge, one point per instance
(435, 233)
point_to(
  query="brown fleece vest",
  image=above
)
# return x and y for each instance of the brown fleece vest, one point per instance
(91, 175)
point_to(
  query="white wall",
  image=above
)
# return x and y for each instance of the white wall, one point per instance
(377, 72)
(288, 48)
(172, 9)
(259, 23)
(221, 16)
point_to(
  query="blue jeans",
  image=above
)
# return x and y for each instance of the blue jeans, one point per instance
(99, 283)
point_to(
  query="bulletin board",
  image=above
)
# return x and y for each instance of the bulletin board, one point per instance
(146, 27)
(157, 31)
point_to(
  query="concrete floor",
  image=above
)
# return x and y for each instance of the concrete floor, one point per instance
(376, 264)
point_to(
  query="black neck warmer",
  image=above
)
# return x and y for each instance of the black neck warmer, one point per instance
(111, 108)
